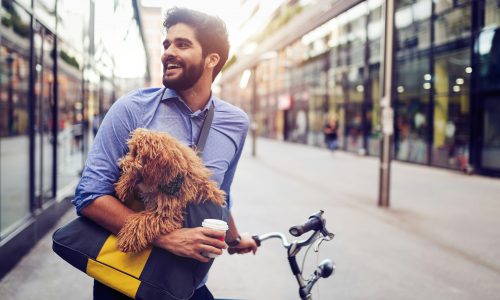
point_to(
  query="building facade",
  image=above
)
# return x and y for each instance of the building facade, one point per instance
(56, 80)
(327, 64)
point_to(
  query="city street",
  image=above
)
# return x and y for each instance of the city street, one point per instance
(438, 240)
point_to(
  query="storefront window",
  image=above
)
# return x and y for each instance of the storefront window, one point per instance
(452, 25)
(491, 132)
(492, 14)
(69, 152)
(14, 139)
(354, 112)
(451, 110)
(45, 12)
(488, 50)
(413, 82)
(373, 114)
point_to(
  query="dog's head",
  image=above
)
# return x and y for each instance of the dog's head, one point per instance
(158, 157)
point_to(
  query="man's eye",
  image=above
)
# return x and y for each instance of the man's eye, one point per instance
(182, 45)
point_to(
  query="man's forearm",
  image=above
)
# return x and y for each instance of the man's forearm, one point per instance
(232, 232)
(108, 212)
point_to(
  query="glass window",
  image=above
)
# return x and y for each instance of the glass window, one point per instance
(375, 27)
(491, 127)
(451, 110)
(413, 82)
(15, 20)
(453, 25)
(69, 152)
(373, 122)
(446, 5)
(488, 48)
(492, 14)
(71, 15)
(45, 11)
(14, 139)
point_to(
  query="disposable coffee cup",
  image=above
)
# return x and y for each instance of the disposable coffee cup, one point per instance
(217, 225)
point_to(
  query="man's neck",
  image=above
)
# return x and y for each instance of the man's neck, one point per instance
(196, 100)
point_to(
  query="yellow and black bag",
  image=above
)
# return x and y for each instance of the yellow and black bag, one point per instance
(151, 274)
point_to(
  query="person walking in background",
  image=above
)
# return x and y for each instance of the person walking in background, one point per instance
(195, 50)
(330, 132)
(96, 122)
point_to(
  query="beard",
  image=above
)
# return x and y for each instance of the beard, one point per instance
(189, 76)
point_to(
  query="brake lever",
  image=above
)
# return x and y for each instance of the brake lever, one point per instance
(327, 236)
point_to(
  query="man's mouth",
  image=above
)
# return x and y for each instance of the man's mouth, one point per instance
(172, 66)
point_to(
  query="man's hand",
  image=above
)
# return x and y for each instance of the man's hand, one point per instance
(246, 245)
(192, 242)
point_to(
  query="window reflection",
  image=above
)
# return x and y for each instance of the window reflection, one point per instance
(413, 82)
(491, 128)
(453, 25)
(489, 59)
(492, 14)
(14, 140)
(451, 110)
(70, 107)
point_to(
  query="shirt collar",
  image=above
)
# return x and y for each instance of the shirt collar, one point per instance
(171, 95)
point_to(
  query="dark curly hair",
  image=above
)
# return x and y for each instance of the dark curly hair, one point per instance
(210, 31)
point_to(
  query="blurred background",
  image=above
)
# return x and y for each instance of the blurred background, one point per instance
(293, 66)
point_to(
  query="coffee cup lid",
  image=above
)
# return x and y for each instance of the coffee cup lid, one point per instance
(215, 224)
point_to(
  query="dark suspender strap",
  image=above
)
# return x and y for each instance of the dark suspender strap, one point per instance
(207, 123)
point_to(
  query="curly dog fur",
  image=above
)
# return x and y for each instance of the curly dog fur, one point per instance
(166, 176)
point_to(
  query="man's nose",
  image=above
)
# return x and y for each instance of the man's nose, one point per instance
(169, 51)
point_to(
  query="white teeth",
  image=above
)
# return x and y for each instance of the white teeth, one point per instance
(173, 66)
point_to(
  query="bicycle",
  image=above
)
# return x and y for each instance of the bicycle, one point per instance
(325, 269)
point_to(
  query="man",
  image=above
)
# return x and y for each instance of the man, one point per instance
(195, 49)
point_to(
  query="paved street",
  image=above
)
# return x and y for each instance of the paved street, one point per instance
(439, 239)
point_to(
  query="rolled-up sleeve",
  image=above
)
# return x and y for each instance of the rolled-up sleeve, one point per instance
(110, 144)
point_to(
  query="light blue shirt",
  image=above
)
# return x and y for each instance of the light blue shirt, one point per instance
(163, 110)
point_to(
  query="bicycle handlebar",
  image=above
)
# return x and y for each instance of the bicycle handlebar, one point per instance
(315, 222)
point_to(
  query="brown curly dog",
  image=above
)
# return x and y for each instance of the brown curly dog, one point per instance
(163, 176)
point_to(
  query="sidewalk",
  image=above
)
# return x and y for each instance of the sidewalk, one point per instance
(439, 239)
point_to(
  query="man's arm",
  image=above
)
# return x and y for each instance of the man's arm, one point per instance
(110, 213)
(246, 244)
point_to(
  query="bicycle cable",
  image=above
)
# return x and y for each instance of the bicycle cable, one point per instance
(304, 259)
(317, 263)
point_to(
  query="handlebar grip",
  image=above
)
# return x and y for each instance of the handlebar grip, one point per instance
(314, 223)
(257, 240)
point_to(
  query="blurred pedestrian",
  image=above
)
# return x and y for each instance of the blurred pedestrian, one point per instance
(330, 132)
(77, 132)
(96, 122)
(195, 50)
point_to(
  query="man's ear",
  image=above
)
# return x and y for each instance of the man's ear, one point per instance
(212, 60)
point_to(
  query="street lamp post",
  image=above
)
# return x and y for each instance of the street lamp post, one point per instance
(387, 117)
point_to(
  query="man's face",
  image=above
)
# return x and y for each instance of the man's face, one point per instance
(183, 63)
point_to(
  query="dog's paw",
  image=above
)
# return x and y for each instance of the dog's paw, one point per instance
(132, 238)
(129, 244)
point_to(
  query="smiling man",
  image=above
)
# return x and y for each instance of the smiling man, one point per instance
(195, 50)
